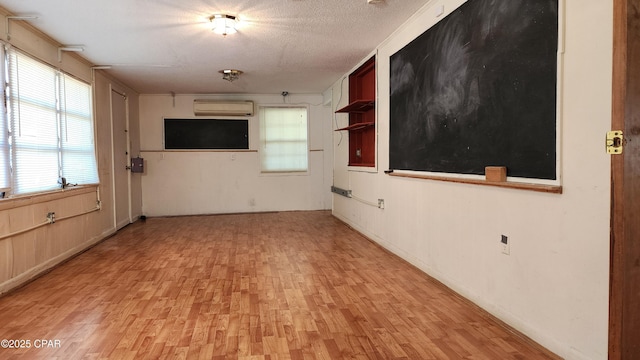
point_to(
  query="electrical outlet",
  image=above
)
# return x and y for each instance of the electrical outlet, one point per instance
(381, 203)
(504, 243)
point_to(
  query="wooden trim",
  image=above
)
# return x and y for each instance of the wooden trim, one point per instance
(210, 150)
(624, 281)
(30, 199)
(553, 189)
(363, 165)
(197, 150)
(617, 167)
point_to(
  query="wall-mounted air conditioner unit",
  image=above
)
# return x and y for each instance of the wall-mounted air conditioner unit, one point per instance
(223, 108)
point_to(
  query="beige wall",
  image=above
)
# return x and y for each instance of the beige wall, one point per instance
(554, 284)
(24, 256)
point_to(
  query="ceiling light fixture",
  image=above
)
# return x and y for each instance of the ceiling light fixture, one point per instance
(224, 24)
(230, 74)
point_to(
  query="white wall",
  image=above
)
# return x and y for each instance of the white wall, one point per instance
(553, 286)
(208, 182)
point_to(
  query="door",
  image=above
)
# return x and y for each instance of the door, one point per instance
(624, 298)
(121, 179)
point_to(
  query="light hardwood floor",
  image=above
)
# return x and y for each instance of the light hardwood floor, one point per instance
(290, 285)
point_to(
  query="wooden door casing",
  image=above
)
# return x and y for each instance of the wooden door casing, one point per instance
(624, 308)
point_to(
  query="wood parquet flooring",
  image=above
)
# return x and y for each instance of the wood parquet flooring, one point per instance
(291, 285)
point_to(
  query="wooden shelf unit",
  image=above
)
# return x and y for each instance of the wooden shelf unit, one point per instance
(362, 115)
(358, 106)
(357, 126)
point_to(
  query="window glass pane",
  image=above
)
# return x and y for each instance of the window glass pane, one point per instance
(77, 140)
(34, 131)
(283, 139)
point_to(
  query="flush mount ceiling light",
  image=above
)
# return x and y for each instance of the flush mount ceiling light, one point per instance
(230, 74)
(224, 24)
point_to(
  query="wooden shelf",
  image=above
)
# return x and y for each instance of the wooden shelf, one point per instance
(357, 126)
(358, 106)
(362, 115)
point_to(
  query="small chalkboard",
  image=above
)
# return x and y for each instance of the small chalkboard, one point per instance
(478, 89)
(184, 134)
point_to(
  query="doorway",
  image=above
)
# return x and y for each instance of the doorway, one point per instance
(121, 166)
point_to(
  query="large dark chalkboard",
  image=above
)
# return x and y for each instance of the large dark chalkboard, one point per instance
(478, 89)
(206, 134)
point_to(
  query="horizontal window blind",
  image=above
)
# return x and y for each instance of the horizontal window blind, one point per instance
(283, 139)
(34, 130)
(76, 133)
(51, 125)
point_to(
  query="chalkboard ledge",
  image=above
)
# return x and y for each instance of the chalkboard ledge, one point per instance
(196, 150)
(553, 189)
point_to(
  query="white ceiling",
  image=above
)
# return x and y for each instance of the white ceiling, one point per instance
(163, 46)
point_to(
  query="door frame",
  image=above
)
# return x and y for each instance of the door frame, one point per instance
(624, 284)
(114, 161)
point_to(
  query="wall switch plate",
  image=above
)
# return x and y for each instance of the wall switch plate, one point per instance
(504, 243)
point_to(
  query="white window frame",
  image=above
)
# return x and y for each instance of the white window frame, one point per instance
(5, 151)
(66, 149)
(263, 148)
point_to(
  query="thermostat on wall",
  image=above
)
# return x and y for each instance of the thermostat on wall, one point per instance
(137, 165)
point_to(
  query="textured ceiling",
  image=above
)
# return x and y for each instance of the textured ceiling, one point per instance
(163, 46)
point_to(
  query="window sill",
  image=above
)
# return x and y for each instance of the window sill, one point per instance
(284, 173)
(36, 198)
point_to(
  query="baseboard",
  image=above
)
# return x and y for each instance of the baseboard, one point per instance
(508, 320)
(40, 269)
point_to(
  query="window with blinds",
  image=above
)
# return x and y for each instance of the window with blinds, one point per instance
(77, 147)
(50, 123)
(283, 139)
